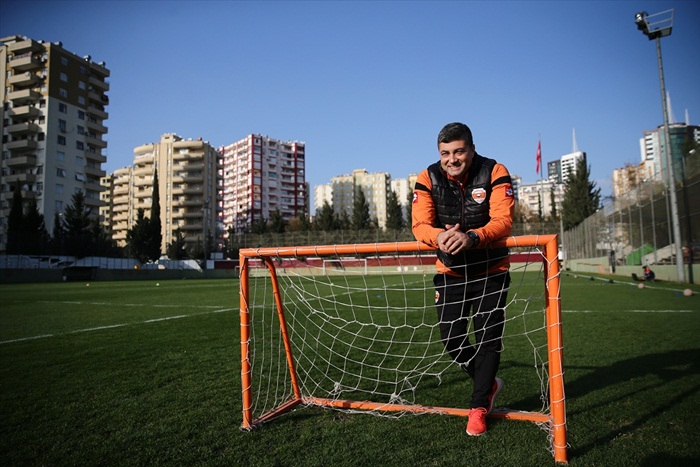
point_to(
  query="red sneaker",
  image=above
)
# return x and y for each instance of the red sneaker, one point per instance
(476, 426)
(497, 386)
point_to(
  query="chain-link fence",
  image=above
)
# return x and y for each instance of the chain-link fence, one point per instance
(637, 229)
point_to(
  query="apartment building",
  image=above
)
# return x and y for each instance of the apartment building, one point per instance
(189, 189)
(531, 196)
(375, 187)
(627, 179)
(651, 149)
(53, 126)
(262, 175)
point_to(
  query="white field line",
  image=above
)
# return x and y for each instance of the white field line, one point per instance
(112, 326)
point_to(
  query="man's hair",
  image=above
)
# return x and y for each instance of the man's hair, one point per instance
(455, 132)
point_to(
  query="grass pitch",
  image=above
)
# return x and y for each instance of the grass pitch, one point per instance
(130, 373)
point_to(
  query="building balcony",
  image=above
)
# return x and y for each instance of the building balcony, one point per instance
(98, 84)
(23, 96)
(99, 69)
(26, 63)
(21, 145)
(95, 126)
(21, 161)
(97, 112)
(23, 112)
(21, 178)
(95, 157)
(25, 79)
(96, 142)
(24, 46)
(25, 128)
(95, 171)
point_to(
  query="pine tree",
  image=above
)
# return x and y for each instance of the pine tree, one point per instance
(76, 224)
(35, 234)
(581, 198)
(360, 211)
(277, 223)
(15, 225)
(137, 237)
(155, 234)
(394, 213)
(325, 219)
(409, 208)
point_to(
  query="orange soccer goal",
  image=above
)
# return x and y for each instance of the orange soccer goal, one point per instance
(354, 328)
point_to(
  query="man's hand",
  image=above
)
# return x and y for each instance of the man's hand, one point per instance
(453, 241)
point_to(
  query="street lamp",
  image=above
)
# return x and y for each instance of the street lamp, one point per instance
(657, 26)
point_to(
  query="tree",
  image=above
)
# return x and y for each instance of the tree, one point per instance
(76, 224)
(137, 237)
(325, 218)
(155, 235)
(277, 223)
(581, 198)
(36, 237)
(15, 223)
(178, 248)
(58, 239)
(394, 213)
(409, 208)
(231, 246)
(360, 211)
(554, 204)
(259, 226)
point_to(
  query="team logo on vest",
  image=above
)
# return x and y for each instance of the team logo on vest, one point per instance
(415, 197)
(437, 296)
(509, 191)
(479, 195)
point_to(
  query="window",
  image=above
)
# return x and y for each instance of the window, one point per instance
(79, 145)
(81, 115)
(81, 100)
(58, 206)
(61, 172)
(59, 188)
(62, 92)
(80, 177)
(64, 77)
(81, 85)
(80, 130)
(79, 161)
(61, 140)
(60, 155)
(62, 125)
(63, 108)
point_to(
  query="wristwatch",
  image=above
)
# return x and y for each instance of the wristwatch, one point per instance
(474, 237)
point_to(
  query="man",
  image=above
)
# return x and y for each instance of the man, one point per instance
(461, 204)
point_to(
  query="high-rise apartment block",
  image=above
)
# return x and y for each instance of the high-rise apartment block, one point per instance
(262, 175)
(569, 162)
(189, 189)
(651, 145)
(375, 187)
(53, 125)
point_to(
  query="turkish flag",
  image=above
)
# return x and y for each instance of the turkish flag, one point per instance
(539, 156)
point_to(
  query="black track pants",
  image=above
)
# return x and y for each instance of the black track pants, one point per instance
(480, 302)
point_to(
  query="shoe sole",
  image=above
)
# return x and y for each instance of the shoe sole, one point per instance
(499, 386)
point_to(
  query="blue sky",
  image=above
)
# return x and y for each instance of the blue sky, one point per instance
(368, 85)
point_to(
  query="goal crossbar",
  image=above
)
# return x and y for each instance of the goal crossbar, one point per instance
(556, 418)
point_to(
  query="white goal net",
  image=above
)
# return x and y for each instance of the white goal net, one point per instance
(354, 328)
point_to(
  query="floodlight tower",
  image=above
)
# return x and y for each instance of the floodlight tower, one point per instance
(655, 27)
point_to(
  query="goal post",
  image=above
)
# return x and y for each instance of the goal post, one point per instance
(312, 335)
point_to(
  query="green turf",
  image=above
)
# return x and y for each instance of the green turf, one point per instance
(127, 373)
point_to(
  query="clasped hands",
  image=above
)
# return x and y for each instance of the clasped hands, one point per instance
(452, 240)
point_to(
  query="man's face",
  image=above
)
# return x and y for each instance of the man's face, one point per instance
(456, 158)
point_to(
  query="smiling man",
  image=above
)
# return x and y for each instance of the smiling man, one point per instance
(461, 204)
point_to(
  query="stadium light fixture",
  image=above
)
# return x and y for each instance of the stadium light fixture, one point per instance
(655, 27)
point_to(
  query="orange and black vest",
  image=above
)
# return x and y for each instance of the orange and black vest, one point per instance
(468, 206)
